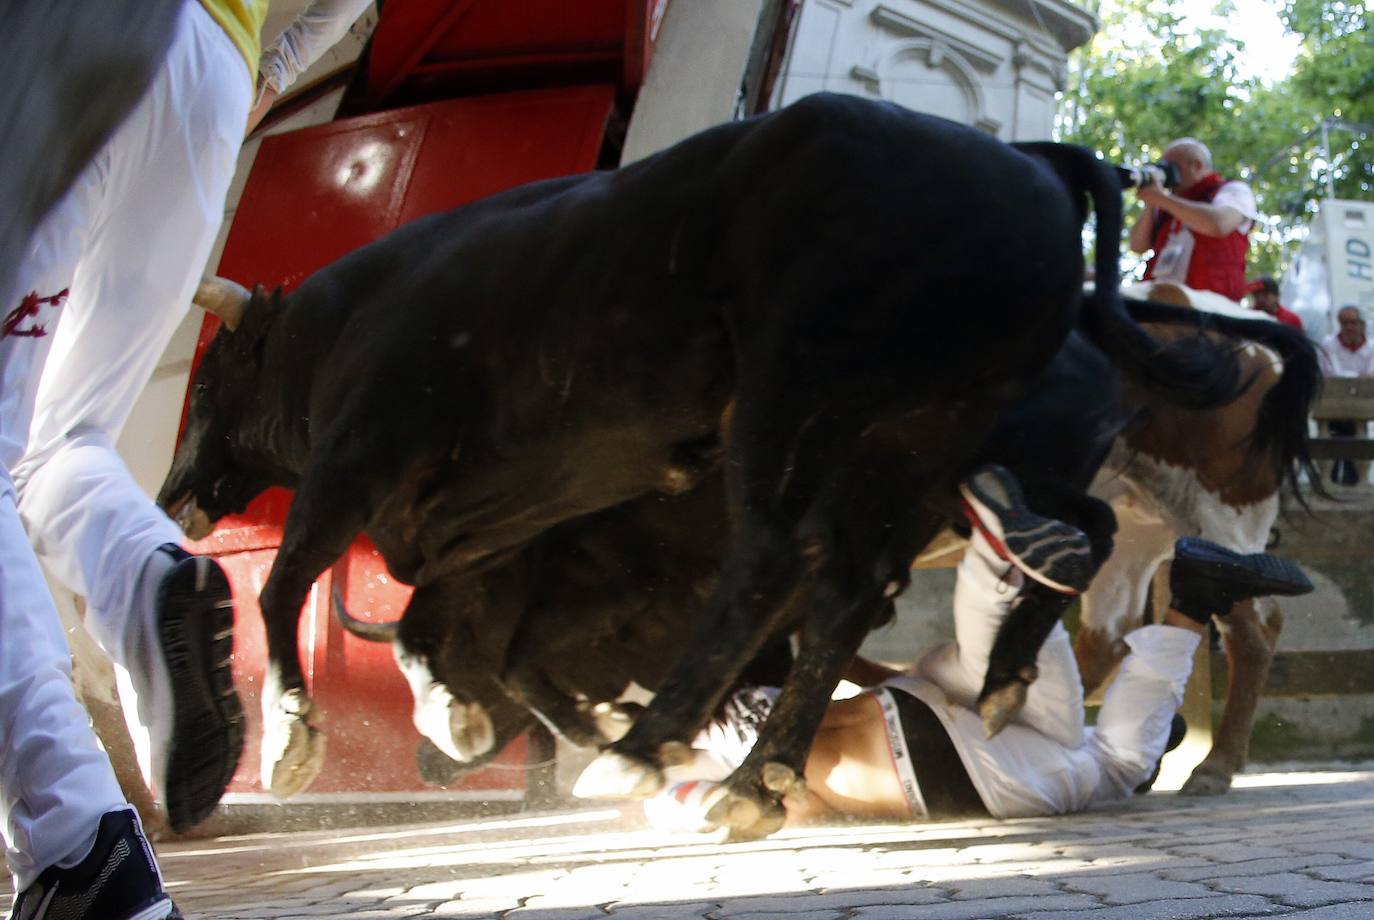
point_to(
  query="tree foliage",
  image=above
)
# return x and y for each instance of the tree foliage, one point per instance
(1147, 78)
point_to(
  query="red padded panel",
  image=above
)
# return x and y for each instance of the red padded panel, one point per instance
(527, 136)
(428, 48)
(321, 192)
(312, 196)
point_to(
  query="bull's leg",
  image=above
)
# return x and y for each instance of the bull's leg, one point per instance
(1038, 609)
(529, 685)
(781, 453)
(292, 743)
(550, 638)
(773, 770)
(741, 616)
(439, 650)
(323, 520)
(861, 570)
(1115, 602)
(1098, 656)
(1250, 635)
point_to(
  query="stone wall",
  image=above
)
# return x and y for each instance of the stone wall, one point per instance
(990, 64)
(1334, 543)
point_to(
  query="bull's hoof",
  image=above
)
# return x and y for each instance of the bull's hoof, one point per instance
(675, 754)
(616, 776)
(1000, 706)
(746, 817)
(613, 720)
(435, 767)
(463, 731)
(472, 731)
(782, 780)
(292, 745)
(1206, 782)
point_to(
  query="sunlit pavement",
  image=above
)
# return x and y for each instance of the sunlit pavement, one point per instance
(1294, 844)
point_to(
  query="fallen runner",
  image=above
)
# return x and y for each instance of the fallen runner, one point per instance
(913, 747)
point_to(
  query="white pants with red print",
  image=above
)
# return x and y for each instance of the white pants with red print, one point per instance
(104, 283)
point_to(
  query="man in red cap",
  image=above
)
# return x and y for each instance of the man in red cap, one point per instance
(1264, 296)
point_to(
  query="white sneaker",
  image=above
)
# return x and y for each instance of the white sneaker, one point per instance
(683, 807)
(186, 692)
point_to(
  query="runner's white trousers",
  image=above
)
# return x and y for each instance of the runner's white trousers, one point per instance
(127, 245)
(1047, 761)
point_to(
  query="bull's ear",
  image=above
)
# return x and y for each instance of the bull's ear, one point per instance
(224, 298)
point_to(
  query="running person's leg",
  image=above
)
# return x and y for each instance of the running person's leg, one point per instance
(64, 815)
(163, 179)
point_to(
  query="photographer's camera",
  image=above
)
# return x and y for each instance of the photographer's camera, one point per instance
(1161, 173)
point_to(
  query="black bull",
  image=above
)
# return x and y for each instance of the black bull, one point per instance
(863, 287)
(596, 605)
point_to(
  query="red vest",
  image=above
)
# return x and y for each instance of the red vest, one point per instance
(1218, 262)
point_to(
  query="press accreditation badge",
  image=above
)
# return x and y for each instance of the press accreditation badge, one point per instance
(1172, 264)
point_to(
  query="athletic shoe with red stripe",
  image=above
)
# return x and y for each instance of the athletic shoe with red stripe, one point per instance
(1053, 553)
(683, 807)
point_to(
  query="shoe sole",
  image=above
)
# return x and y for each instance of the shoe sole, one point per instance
(196, 628)
(162, 910)
(1049, 551)
(1178, 729)
(1267, 575)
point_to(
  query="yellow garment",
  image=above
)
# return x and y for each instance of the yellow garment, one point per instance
(242, 22)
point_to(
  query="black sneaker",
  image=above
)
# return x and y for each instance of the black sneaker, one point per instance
(1177, 729)
(1053, 553)
(118, 880)
(205, 737)
(1208, 579)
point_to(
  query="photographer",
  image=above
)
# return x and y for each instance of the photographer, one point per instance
(1197, 230)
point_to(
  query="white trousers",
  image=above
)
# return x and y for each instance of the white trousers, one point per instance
(984, 592)
(1046, 761)
(107, 278)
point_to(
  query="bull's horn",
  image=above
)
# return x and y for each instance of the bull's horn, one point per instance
(224, 298)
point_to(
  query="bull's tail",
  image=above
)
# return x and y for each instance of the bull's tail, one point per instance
(372, 632)
(1281, 427)
(1194, 373)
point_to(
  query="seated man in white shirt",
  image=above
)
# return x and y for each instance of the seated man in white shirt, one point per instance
(1347, 352)
(913, 747)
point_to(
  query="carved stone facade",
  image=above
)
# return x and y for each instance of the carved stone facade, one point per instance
(996, 64)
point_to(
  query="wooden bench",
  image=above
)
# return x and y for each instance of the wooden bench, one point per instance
(1308, 674)
(1344, 398)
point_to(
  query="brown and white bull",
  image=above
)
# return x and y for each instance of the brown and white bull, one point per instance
(1216, 474)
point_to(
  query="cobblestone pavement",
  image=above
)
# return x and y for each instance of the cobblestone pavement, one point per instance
(1292, 845)
(1297, 845)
